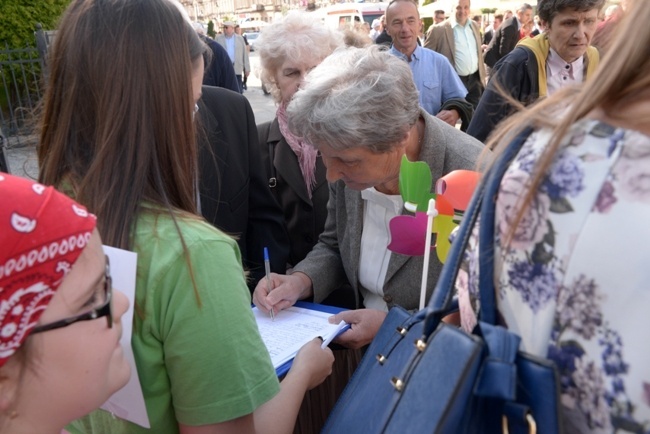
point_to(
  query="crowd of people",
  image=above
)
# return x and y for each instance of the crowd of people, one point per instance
(147, 144)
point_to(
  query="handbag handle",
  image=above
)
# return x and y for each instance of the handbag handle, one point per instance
(443, 292)
(487, 293)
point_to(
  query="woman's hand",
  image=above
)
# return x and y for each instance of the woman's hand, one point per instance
(285, 291)
(364, 324)
(313, 362)
(311, 367)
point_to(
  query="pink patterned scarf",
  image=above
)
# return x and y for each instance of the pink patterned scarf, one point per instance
(305, 152)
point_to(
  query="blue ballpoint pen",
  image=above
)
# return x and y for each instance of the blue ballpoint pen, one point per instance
(267, 269)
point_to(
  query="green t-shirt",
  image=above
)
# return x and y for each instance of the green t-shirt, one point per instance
(199, 354)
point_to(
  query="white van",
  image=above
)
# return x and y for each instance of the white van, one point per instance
(347, 14)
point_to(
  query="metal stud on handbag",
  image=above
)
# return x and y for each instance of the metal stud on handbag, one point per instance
(420, 375)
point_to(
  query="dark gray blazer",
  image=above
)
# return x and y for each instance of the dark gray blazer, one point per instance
(335, 258)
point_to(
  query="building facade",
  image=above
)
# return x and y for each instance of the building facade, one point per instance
(241, 11)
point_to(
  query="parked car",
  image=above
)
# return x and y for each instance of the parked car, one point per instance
(265, 90)
(251, 37)
(342, 15)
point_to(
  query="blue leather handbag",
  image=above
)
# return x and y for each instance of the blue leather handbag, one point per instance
(420, 375)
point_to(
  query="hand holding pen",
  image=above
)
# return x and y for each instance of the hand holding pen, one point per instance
(279, 291)
(267, 269)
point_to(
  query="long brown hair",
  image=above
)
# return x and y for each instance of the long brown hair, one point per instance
(117, 122)
(623, 78)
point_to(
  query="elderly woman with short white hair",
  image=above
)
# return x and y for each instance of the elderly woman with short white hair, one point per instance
(360, 109)
(288, 50)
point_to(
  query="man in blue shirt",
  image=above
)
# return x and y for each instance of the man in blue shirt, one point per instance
(442, 94)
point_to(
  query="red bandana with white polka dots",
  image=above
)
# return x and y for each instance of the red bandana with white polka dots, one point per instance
(42, 233)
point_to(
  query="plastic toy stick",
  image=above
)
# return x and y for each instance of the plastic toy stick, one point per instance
(431, 213)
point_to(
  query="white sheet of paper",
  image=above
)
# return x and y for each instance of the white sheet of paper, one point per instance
(128, 402)
(292, 328)
(328, 340)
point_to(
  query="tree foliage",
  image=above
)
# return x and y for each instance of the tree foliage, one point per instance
(427, 21)
(18, 19)
(211, 31)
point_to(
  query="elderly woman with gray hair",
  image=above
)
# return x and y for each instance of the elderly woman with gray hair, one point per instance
(538, 67)
(360, 109)
(288, 50)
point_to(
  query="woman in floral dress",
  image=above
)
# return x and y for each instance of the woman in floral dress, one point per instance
(572, 249)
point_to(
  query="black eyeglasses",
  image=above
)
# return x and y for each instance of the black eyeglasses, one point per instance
(105, 309)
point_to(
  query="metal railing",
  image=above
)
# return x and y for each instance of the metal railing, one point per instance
(22, 73)
(4, 164)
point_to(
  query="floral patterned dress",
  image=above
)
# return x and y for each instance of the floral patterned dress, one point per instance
(575, 281)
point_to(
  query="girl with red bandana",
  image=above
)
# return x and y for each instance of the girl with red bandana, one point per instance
(60, 356)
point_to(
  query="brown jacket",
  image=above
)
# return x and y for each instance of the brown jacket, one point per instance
(440, 38)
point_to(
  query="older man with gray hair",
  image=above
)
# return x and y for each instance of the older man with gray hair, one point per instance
(442, 94)
(540, 66)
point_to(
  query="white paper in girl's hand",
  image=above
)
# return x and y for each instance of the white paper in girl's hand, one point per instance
(128, 402)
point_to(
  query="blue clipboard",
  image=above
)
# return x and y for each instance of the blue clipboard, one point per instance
(281, 370)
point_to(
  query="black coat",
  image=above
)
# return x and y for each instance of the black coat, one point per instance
(518, 75)
(235, 196)
(220, 72)
(304, 217)
(504, 41)
(384, 39)
(487, 37)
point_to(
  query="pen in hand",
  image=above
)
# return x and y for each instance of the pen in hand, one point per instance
(267, 269)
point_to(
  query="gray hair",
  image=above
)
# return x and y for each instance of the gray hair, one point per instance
(199, 28)
(414, 2)
(355, 38)
(358, 97)
(612, 10)
(548, 9)
(524, 7)
(300, 36)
